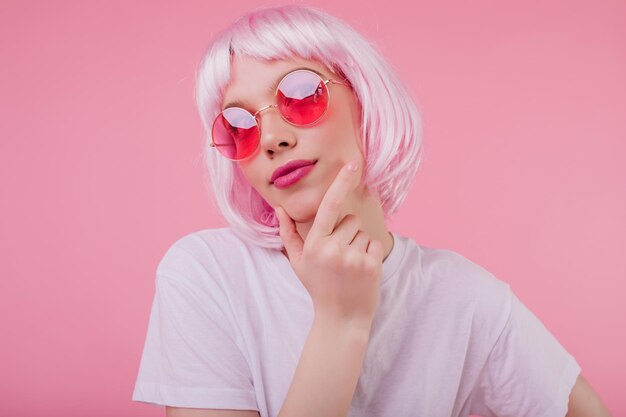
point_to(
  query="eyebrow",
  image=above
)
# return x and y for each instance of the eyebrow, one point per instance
(272, 88)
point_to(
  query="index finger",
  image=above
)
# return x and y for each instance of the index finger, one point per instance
(330, 207)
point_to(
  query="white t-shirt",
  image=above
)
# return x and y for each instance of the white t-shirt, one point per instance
(229, 321)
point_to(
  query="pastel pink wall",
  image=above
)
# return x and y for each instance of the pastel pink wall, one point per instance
(100, 159)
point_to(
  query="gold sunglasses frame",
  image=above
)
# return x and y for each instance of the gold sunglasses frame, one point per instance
(330, 80)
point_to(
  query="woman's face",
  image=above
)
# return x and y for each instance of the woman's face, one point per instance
(332, 141)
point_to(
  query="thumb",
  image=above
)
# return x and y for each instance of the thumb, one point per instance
(289, 234)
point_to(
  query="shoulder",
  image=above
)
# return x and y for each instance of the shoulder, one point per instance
(211, 239)
(216, 244)
(464, 281)
(452, 268)
(213, 253)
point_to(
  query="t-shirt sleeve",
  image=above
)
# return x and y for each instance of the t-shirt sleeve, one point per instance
(527, 373)
(190, 356)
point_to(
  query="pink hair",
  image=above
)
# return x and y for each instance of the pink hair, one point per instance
(391, 127)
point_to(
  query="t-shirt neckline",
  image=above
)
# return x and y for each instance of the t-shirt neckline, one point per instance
(394, 259)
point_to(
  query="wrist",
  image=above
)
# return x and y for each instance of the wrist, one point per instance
(357, 326)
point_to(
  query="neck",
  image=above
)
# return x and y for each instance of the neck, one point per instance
(365, 205)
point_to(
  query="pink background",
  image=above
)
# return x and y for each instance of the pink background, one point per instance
(523, 173)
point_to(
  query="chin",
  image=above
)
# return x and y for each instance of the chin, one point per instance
(303, 210)
(303, 205)
(302, 214)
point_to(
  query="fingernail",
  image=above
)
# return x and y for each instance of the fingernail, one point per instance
(353, 165)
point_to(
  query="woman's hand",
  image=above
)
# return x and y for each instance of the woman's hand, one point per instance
(338, 264)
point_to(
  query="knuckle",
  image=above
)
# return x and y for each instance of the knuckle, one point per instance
(352, 260)
(356, 220)
(346, 264)
(360, 242)
(370, 265)
(330, 251)
(352, 221)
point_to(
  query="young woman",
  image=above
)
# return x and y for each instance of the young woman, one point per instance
(307, 305)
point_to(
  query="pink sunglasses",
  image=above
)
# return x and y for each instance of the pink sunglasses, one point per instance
(302, 98)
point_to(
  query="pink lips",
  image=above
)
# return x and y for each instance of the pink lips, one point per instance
(291, 172)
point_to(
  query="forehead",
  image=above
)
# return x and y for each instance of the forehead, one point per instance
(252, 80)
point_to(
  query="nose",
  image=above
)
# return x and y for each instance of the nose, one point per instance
(276, 135)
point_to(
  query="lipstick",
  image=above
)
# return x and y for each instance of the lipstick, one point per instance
(291, 173)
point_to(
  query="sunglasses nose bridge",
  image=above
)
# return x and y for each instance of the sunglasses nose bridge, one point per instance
(264, 108)
(258, 121)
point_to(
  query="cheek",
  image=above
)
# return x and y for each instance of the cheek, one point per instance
(252, 176)
(256, 178)
(341, 141)
(342, 130)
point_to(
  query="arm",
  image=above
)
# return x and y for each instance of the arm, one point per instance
(328, 371)
(206, 412)
(325, 378)
(584, 402)
(341, 269)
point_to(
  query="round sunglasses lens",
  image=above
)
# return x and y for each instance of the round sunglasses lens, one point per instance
(302, 97)
(235, 133)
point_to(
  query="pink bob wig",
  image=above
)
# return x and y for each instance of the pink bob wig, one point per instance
(391, 128)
